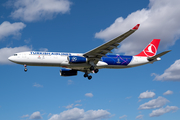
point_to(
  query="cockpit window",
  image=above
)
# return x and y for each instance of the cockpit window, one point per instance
(15, 54)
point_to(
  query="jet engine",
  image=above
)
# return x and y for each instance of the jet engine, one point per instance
(77, 59)
(67, 72)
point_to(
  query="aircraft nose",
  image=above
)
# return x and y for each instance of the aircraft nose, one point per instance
(10, 58)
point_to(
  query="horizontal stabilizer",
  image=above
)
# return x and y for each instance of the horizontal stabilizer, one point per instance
(158, 55)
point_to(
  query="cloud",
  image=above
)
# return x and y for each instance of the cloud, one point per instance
(78, 101)
(50, 114)
(89, 95)
(70, 82)
(80, 114)
(36, 115)
(7, 52)
(27, 41)
(155, 103)
(139, 117)
(34, 10)
(147, 95)
(170, 74)
(43, 49)
(169, 92)
(161, 111)
(128, 97)
(37, 85)
(124, 116)
(8, 29)
(159, 21)
(69, 106)
(78, 105)
(24, 116)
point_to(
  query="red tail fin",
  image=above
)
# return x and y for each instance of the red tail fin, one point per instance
(151, 49)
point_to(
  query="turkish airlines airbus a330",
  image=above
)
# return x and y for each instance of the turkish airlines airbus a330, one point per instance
(91, 61)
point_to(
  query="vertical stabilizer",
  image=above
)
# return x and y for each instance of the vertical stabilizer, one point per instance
(151, 49)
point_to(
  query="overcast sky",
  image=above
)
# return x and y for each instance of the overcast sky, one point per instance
(149, 92)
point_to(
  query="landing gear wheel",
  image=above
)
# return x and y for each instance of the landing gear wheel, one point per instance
(96, 70)
(92, 68)
(25, 69)
(90, 77)
(85, 75)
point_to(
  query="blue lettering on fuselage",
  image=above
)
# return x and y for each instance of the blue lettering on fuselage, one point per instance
(117, 59)
(50, 53)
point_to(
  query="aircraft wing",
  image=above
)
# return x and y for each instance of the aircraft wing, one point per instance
(102, 50)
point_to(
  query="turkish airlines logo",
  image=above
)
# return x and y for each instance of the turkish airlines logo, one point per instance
(150, 50)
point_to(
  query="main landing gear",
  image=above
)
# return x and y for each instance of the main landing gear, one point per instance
(88, 76)
(96, 71)
(25, 68)
(93, 70)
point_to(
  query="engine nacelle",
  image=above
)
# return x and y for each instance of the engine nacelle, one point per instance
(77, 59)
(67, 72)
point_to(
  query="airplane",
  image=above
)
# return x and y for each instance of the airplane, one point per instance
(91, 61)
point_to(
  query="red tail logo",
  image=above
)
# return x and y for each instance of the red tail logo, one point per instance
(151, 49)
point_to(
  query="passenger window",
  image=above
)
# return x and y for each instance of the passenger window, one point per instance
(15, 54)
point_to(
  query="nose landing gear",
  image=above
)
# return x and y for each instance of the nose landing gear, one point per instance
(25, 68)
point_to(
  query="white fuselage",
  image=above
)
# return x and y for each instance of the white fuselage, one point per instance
(58, 59)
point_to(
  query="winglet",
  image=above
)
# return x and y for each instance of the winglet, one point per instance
(136, 27)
